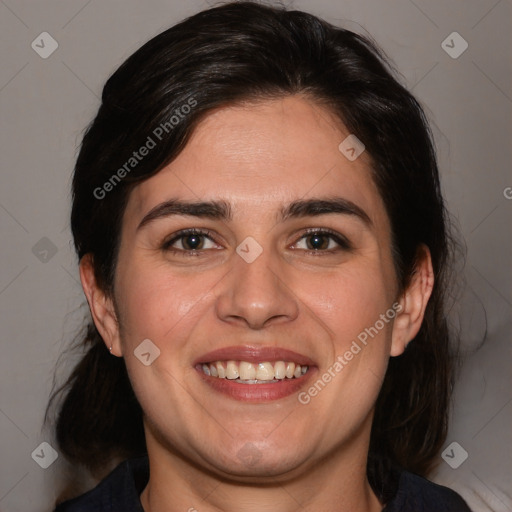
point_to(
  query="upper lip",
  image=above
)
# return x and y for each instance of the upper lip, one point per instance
(253, 354)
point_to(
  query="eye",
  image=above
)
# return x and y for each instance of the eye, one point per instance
(322, 240)
(190, 241)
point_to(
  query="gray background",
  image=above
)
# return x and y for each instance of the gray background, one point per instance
(46, 104)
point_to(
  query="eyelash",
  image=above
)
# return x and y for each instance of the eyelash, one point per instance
(167, 245)
(342, 242)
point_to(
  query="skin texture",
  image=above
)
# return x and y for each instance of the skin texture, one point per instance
(258, 157)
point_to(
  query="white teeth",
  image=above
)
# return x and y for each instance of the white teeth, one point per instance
(247, 371)
(280, 370)
(232, 370)
(220, 370)
(253, 381)
(254, 373)
(265, 371)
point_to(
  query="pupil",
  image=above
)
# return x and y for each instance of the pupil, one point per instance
(193, 241)
(317, 241)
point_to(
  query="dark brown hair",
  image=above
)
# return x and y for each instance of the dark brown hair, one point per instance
(246, 51)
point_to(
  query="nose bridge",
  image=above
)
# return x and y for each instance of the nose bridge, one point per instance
(254, 293)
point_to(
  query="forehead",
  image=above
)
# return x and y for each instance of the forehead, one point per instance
(263, 154)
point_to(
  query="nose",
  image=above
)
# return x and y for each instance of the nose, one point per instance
(255, 294)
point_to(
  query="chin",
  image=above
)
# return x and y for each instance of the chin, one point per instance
(251, 464)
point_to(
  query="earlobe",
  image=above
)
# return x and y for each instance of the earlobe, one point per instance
(101, 306)
(413, 302)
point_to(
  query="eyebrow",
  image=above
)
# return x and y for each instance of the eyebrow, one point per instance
(317, 207)
(221, 210)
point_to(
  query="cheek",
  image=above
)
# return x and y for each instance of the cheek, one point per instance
(348, 302)
(351, 305)
(153, 303)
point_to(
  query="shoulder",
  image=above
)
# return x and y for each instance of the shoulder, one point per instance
(120, 490)
(416, 494)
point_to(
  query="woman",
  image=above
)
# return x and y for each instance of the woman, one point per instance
(263, 246)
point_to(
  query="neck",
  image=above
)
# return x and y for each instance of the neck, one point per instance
(337, 482)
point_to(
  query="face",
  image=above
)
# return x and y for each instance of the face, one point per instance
(286, 262)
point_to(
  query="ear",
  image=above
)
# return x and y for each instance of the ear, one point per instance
(101, 306)
(413, 302)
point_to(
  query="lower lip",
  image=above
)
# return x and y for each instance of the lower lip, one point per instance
(257, 392)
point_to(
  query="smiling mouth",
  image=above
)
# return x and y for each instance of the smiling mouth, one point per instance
(244, 372)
